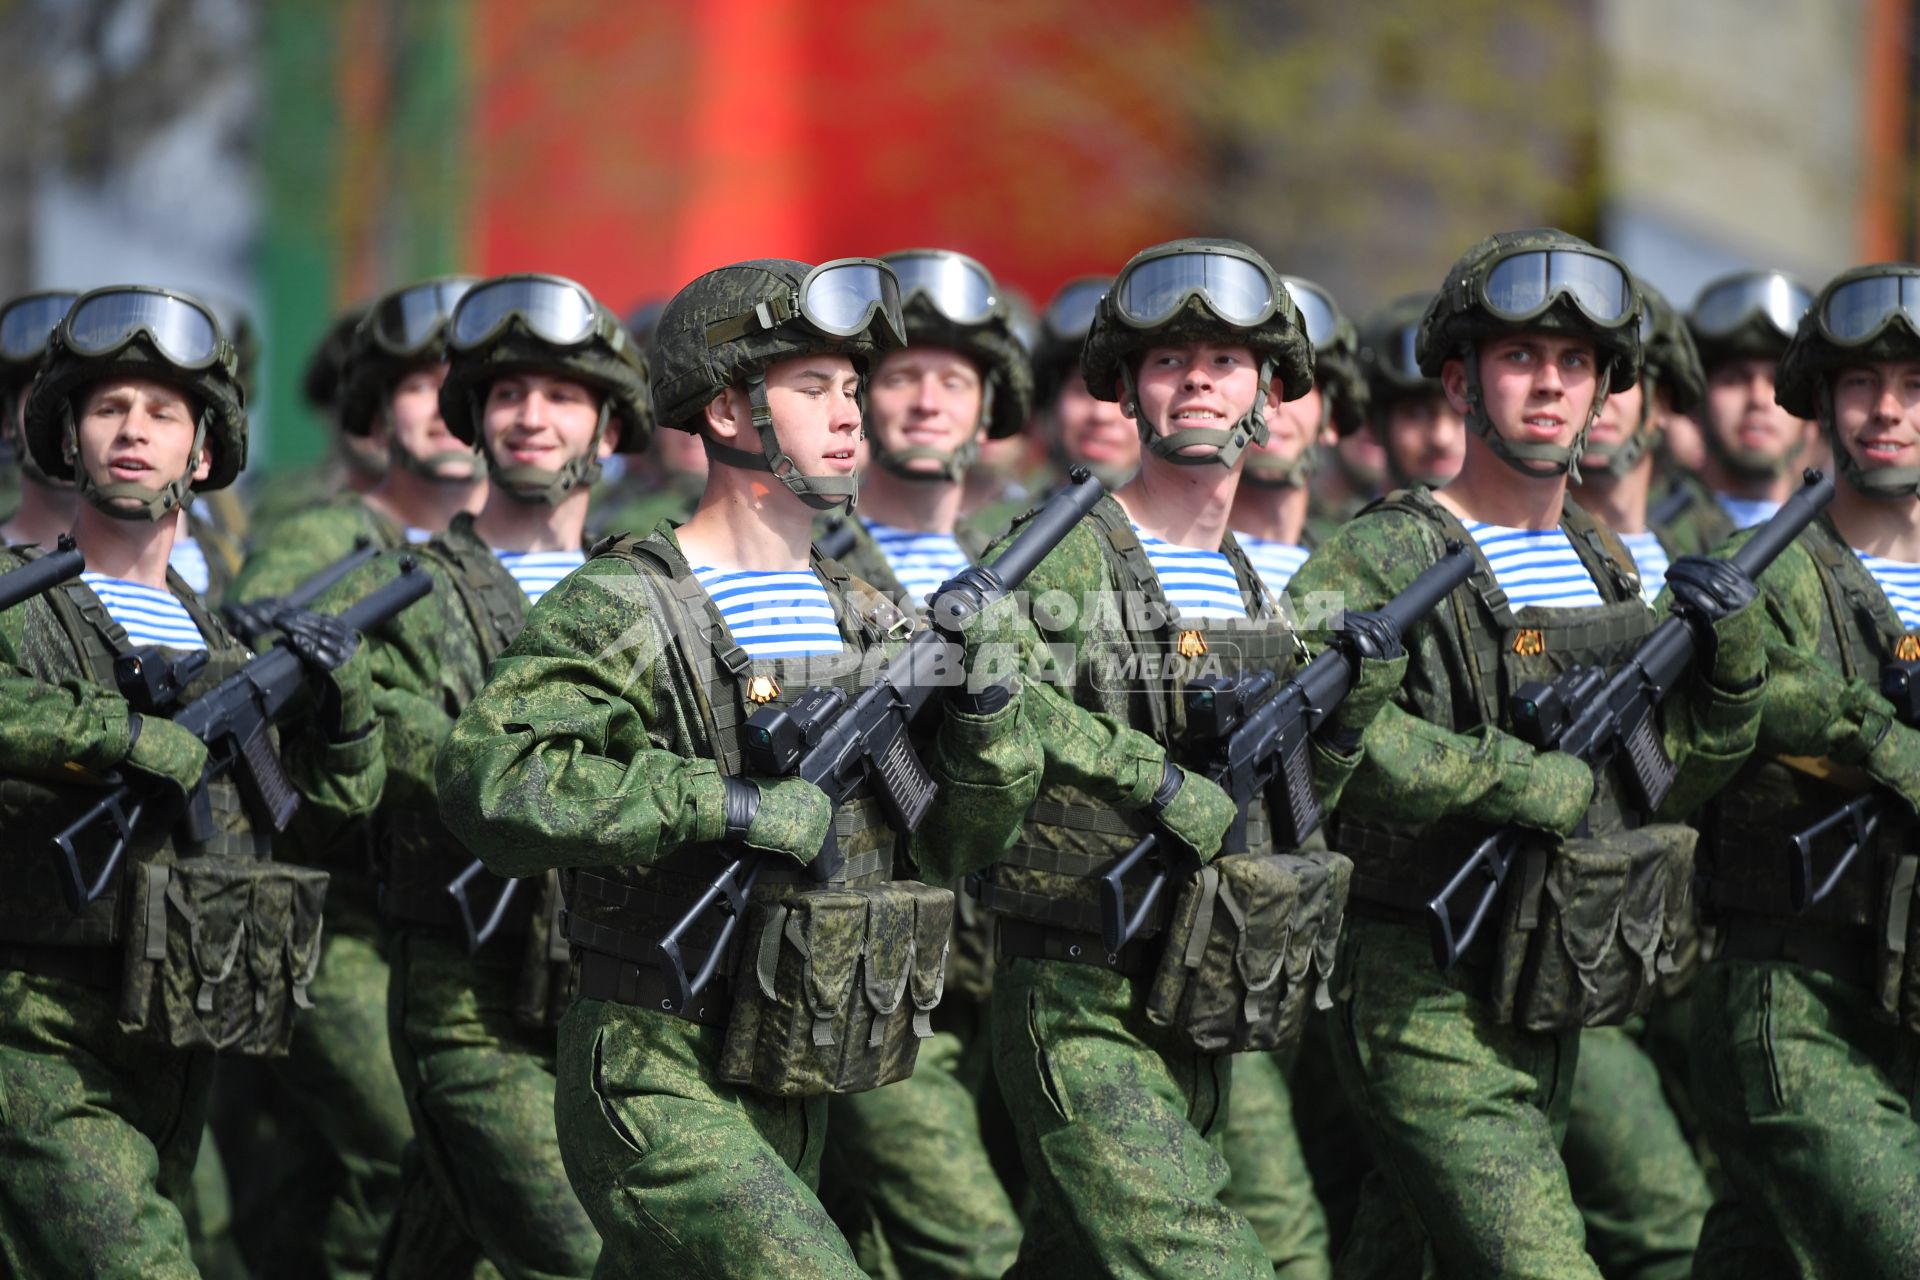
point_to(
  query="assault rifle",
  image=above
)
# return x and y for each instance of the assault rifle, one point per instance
(35, 576)
(1859, 817)
(1599, 719)
(1255, 743)
(836, 741)
(232, 718)
(253, 619)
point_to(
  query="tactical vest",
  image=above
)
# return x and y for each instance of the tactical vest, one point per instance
(1400, 867)
(69, 636)
(419, 856)
(622, 913)
(1746, 828)
(1067, 839)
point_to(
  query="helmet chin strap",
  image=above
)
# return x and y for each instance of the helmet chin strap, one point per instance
(428, 467)
(155, 505)
(1617, 460)
(1264, 471)
(1888, 484)
(1560, 459)
(822, 493)
(1228, 443)
(547, 486)
(954, 464)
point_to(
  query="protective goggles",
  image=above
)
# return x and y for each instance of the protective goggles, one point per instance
(554, 310)
(1523, 285)
(1070, 314)
(1317, 311)
(840, 299)
(958, 287)
(27, 323)
(408, 321)
(1860, 310)
(181, 328)
(1234, 288)
(1725, 307)
(1398, 353)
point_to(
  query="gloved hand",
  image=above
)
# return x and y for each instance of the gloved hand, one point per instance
(1716, 598)
(162, 750)
(1373, 642)
(331, 650)
(1193, 810)
(1895, 760)
(779, 815)
(250, 620)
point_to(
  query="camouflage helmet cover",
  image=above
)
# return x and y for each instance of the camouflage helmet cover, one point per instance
(369, 371)
(1457, 316)
(1281, 338)
(1336, 367)
(321, 381)
(1056, 355)
(1812, 357)
(1391, 373)
(1671, 360)
(215, 390)
(692, 363)
(1756, 337)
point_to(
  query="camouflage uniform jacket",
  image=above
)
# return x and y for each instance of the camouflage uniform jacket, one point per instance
(300, 545)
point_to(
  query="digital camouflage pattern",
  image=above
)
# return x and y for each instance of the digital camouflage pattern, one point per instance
(1269, 1184)
(1634, 1177)
(1416, 1048)
(103, 1126)
(1701, 526)
(1806, 1088)
(585, 751)
(304, 543)
(478, 1086)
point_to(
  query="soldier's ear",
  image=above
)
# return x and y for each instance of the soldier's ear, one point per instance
(1453, 380)
(727, 415)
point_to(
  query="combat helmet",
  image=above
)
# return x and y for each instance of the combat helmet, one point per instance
(138, 331)
(1060, 333)
(1749, 315)
(1668, 362)
(550, 325)
(1336, 371)
(1198, 290)
(949, 300)
(26, 326)
(403, 331)
(1542, 280)
(1864, 316)
(727, 327)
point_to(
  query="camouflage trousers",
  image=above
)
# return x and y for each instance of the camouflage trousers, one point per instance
(684, 1174)
(480, 1089)
(906, 1172)
(314, 1141)
(1269, 1184)
(1814, 1106)
(1636, 1182)
(1336, 1159)
(98, 1136)
(1119, 1129)
(1465, 1118)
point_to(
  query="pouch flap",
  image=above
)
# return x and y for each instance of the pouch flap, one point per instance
(829, 928)
(933, 913)
(888, 959)
(1260, 893)
(1587, 881)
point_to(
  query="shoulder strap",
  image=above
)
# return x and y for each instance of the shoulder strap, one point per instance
(1606, 558)
(494, 602)
(95, 636)
(1252, 586)
(1476, 636)
(1852, 594)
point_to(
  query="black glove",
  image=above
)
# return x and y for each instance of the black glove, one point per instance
(322, 642)
(250, 620)
(1714, 597)
(1707, 589)
(326, 646)
(1369, 635)
(983, 701)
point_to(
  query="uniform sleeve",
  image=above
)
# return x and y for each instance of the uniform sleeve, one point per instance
(297, 548)
(988, 770)
(559, 761)
(46, 728)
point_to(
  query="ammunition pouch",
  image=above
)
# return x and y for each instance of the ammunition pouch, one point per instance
(1897, 970)
(835, 987)
(1250, 936)
(1589, 927)
(220, 952)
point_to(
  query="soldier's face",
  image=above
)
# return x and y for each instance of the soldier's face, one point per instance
(1197, 385)
(1425, 437)
(1684, 444)
(131, 431)
(533, 420)
(413, 413)
(1293, 426)
(1876, 411)
(816, 413)
(924, 398)
(1742, 415)
(1536, 388)
(1619, 416)
(1093, 432)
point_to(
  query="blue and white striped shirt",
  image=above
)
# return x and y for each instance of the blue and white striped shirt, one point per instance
(1275, 562)
(538, 572)
(1200, 584)
(150, 616)
(1535, 566)
(922, 561)
(1650, 560)
(773, 615)
(1746, 512)
(190, 562)
(1901, 582)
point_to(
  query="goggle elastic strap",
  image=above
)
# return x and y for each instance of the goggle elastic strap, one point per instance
(155, 504)
(1229, 442)
(544, 486)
